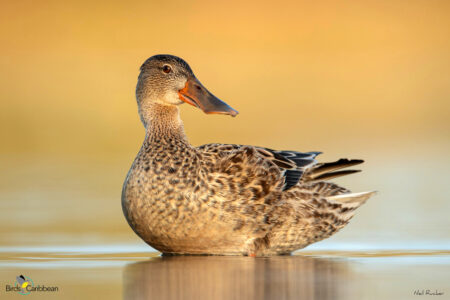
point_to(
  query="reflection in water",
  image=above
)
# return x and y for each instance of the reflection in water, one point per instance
(212, 277)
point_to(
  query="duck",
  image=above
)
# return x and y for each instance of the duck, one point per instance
(223, 199)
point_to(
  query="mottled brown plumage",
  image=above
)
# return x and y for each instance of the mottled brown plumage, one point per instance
(223, 199)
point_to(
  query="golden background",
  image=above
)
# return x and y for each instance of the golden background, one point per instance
(358, 79)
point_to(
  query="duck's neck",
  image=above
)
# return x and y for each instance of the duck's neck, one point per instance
(163, 123)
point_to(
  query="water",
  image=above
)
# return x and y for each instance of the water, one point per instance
(132, 272)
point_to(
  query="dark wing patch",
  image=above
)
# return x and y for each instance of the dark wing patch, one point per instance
(292, 177)
(293, 162)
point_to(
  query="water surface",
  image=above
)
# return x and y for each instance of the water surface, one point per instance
(128, 272)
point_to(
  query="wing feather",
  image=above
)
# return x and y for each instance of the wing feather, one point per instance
(295, 166)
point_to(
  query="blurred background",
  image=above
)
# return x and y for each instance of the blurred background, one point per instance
(357, 79)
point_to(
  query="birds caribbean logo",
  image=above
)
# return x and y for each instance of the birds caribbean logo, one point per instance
(23, 282)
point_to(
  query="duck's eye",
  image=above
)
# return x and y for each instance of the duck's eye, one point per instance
(166, 69)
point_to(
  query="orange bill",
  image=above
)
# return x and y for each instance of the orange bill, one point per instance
(197, 95)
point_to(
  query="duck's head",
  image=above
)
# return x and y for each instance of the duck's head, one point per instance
(168, 80)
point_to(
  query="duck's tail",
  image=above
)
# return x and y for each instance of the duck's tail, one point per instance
(348, 202)
(326, 171)
(352, 198)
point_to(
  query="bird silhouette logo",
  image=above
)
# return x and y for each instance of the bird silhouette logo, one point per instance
(23, 282)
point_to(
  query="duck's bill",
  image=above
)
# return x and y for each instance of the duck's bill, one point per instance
(197, 95)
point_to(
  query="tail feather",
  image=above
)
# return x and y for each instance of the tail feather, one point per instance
(325, 171)
(349, 202)
(347, 198)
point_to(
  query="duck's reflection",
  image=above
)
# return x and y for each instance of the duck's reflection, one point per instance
(212, 277)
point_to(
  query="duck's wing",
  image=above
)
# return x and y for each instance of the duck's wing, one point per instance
(294, 166)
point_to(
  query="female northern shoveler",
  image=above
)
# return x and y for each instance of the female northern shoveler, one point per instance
(223, 199)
